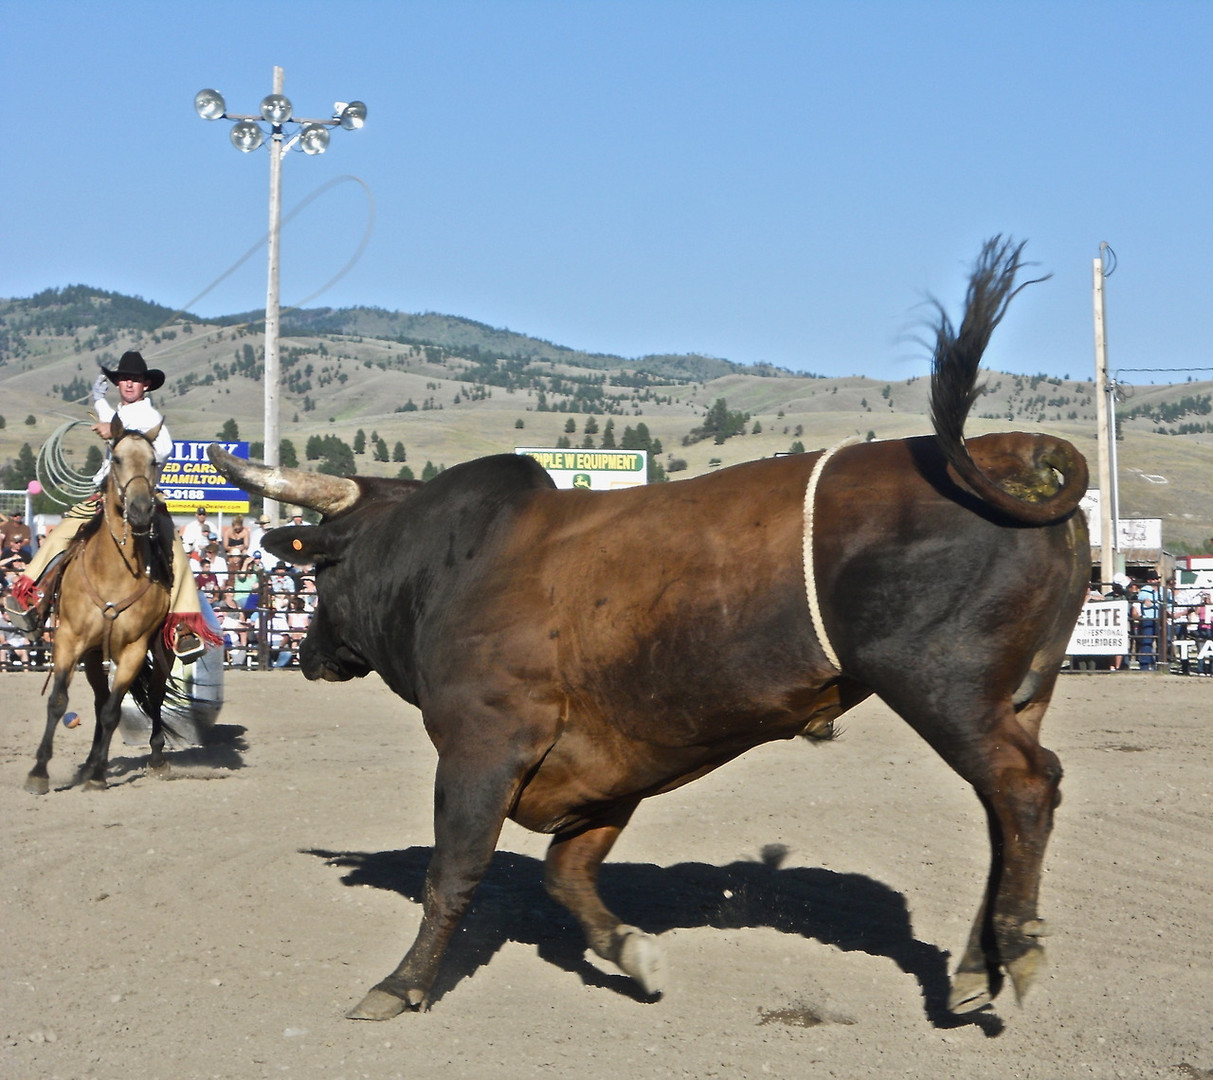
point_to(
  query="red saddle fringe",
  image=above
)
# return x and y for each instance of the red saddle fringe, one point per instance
(25, 590)
(196, 622)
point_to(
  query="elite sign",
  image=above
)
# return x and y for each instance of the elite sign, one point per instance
(189, 480)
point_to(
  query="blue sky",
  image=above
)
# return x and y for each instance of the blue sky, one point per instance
(762, 181)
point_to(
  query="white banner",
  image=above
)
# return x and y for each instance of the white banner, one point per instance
(1102, 629)
(596, 470)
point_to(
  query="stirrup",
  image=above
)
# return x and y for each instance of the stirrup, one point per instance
(187, 646)
(27, 620)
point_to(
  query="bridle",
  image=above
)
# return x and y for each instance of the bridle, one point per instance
(127, 530)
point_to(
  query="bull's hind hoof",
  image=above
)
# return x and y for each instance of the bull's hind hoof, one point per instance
(641, 956)
(37, 785)
(378, 1005)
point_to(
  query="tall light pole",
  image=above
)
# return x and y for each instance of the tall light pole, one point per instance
(312, 137)
(1105, 411)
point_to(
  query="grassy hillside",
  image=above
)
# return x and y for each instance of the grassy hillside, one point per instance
(450, 389)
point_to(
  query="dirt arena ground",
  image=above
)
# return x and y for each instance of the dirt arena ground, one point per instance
(808, 898)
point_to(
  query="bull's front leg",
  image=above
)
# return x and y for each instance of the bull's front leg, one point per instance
(472, 792)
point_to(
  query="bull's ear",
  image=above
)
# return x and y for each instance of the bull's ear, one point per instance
(301, 544)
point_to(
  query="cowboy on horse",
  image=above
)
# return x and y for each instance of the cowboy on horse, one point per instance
(34, 593)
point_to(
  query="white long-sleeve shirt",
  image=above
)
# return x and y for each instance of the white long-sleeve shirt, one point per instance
(140, 416)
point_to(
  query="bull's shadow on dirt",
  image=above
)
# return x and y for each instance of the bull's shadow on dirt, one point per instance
(849, 911)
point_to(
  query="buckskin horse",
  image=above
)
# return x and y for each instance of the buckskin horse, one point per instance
(574, 652)
(113, 600)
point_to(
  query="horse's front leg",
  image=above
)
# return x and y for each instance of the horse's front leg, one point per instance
(38, 780)
(109, 711)
(161, 662)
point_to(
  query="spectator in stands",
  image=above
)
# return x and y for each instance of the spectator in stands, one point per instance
(281, 580)
(236, 541)
(233, 623)
(246, 581)
(194, 534)
(256, 532)
(1149, 598)
(1117, 592)
(204, 577)
(14, 533)
(218, 563)
(298, 619)
(13, 557)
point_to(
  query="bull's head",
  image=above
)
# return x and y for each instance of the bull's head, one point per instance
(324, 653)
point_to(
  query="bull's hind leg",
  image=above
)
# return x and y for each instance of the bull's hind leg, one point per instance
(570, 874)
(1018, 783)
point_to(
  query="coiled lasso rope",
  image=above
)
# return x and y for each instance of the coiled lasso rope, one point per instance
(62, 484)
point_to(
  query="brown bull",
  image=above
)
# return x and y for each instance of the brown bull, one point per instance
(113, 599)
(574, 652)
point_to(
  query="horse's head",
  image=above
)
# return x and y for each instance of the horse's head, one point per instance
(132, 477)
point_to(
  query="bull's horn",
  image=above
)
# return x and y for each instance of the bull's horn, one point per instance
(316, 491)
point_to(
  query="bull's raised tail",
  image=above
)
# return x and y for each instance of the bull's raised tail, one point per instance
(1055, 475)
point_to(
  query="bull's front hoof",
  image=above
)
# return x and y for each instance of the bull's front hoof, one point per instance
(641, 957)
(37, 785)
(970, 991)
(380, 1005)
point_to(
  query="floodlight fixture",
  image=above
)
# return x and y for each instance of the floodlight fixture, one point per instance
(247, 136)
(276, 109)
(314, 139)
(209, 104)
(351, 116)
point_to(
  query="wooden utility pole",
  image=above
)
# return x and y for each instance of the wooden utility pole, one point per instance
(1107, 498)
(270, 451)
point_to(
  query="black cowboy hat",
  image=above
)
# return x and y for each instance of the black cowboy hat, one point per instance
(133, 366)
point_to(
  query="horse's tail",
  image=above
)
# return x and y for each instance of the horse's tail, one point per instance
(1053, 488)
(177, 699)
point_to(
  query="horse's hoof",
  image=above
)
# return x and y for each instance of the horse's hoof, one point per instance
(95, 785)
(970, 991)
(377, 1005)
(37, 785)
(641, 957)
(163, 771)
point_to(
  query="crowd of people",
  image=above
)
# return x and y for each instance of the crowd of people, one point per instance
(264, 606)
